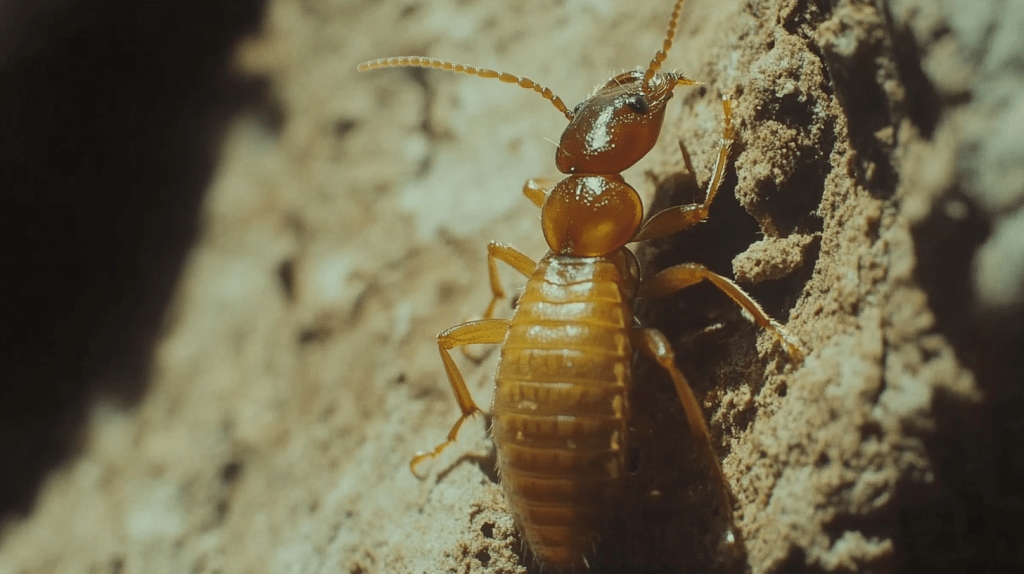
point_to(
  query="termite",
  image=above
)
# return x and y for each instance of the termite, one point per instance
(560, 411)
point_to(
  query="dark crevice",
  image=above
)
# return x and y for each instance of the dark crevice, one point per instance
(779, 297)
(806, 16)
(344, 126)
(793, 208)
(686, 316)
(859, 80)
(487, 529)
(922, 104)
(231, 471)
(484, 557)
(867, 110)
(945, 248)
(795, 562)
(880, 523)
(728, 230)
(828, 86)
(286, 278)
(314, 334)
(967, 519)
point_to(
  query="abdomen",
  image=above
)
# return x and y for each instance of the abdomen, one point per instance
(561, 410)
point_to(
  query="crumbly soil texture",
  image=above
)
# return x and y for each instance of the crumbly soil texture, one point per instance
(873, 203)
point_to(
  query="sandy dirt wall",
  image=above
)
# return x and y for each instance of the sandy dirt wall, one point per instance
(872, 204)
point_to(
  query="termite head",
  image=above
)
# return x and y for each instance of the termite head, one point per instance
(617, 125)
(620, 122)
(591, 215)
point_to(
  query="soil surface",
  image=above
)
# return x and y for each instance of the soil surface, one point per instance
(873, 203)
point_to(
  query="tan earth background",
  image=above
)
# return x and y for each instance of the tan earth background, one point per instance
(227, 254)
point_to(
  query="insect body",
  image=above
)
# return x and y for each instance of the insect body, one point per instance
(561, 403)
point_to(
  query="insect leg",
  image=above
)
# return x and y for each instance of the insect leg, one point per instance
(681, 276)
(653, 343)
(537, 190)
(515, 259)
(475, 332)
(680, 217)
(518, 261)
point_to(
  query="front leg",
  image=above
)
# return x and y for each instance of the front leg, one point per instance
(515, 259)
(675, 219)
(537, 190)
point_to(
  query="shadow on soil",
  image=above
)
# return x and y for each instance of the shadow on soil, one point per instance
(113, 113)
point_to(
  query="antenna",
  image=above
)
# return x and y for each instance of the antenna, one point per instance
(422, 62)
(665, 46)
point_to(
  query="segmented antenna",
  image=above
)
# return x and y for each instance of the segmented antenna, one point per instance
(422, 62)
(665, 46)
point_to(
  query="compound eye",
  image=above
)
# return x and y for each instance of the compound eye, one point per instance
(637, 103)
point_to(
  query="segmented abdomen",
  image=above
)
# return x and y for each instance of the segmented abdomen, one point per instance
(560, 409)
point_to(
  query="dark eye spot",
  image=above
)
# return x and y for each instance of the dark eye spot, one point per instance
(637, 103)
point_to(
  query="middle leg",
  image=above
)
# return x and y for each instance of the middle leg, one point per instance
(681, 276)
(490, 331)
(537, 190)
(515, 259)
